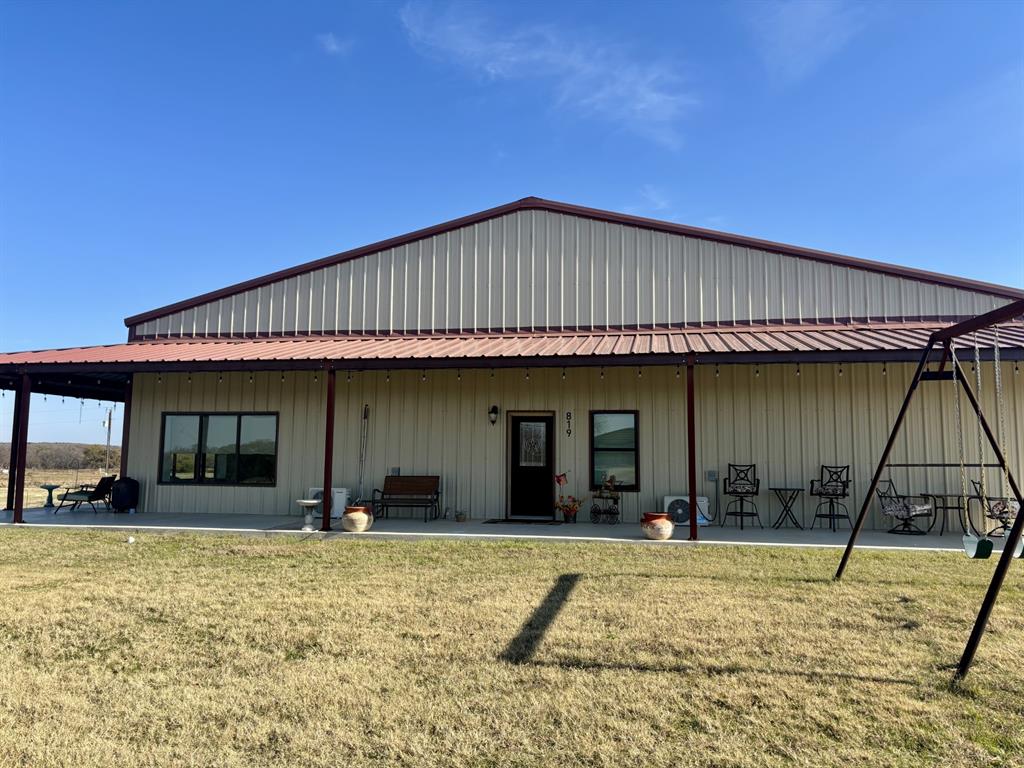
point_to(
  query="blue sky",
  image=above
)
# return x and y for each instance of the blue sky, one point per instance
(152, 151)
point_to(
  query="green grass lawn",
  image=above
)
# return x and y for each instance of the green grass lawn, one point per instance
(230, 651)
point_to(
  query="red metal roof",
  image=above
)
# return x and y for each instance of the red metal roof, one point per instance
(782, 342)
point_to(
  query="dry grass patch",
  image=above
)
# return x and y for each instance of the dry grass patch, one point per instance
(228, 651)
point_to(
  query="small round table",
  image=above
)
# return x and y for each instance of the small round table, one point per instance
(308, 505)
(49, 488)
(787, 497)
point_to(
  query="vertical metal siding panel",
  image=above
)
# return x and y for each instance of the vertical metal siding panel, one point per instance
(585, 316)
(314, 317)
(637, 266)
(518, 270)
(541, 260)
(569, 275)
(371, 291)
(474, 242)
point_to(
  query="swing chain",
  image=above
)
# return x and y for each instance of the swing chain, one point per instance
(1004, 480)
(959, 430)
(981, 442)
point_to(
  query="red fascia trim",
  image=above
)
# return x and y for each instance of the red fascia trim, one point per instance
(537, 203)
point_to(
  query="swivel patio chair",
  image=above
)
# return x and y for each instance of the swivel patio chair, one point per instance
(742, 484)
(903, 509)
(87, 494)
(831, 488)
(1001, 510)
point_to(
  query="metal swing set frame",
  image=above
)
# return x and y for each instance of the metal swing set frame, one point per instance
(945, 339)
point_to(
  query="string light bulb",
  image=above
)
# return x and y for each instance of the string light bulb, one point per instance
(602, 371)
(757, 371)
(840, 369)
(250, 378)
(677, 371)
(885, 372)
(458, 374)
(423, 375)
(527, 374)
(282, 377)
(220, 378)
(716, 370)
(348, 377)
(798, 369)
(387, 377)
(639, 373)
(563, 374)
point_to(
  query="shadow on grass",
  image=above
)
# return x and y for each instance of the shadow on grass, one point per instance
(524, 645)
(712, 670)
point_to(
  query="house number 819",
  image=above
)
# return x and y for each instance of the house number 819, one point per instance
(568, 423)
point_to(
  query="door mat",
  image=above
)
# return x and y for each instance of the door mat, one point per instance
(526, 521)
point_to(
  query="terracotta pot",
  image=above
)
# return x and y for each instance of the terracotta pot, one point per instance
(652, 516)
(659, 527)
(357, 519)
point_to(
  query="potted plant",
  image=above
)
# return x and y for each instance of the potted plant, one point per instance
(568, 506)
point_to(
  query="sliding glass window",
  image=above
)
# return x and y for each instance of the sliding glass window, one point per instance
(219, 448)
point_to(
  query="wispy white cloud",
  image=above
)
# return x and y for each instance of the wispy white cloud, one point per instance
(595, 79)
(651, 200)
(796, 37)
(333, 45)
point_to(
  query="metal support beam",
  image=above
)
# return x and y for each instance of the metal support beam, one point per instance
(1009, 543)
(126, 425)
(13, 463)
(883, 461)
(24, 396)
(691, 445)
(1001, 314)
(328, 451)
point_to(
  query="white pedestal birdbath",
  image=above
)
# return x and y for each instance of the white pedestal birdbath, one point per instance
(308, 505)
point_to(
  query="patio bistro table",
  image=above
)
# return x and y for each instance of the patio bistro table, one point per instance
(49, 488)
(787, 497)
(945, 502)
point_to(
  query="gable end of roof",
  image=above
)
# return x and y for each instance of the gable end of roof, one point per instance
(611, 217)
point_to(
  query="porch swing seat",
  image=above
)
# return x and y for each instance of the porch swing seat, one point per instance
(977, 548)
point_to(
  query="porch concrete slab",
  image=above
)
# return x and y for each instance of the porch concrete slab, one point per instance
(415, 528)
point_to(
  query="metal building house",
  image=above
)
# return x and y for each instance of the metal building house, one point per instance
(527, 341)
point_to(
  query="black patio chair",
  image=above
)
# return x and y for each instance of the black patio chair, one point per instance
(903, 509)
(1001, 510)
(88, 494)
(831, 488)
(742, 484)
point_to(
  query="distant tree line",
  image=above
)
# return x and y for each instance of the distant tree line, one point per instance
(63, 455)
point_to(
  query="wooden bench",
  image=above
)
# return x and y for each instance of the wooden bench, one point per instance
(409, 491)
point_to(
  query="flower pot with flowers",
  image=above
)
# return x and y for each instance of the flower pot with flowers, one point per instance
(568, 506)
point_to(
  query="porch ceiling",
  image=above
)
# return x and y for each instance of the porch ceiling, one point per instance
(770, 343)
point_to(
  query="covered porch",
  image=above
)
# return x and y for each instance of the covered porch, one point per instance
(785, 398)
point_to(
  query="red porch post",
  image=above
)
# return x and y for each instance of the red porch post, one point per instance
(691, 444)
(24, 395)
(12, 473)
(126, 424)
(328, 451)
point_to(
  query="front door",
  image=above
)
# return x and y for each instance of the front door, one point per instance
(531, 471)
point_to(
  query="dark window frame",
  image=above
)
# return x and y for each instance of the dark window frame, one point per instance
(635, 487)
(200, 468)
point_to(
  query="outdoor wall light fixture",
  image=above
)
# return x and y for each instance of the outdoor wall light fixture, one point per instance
(492, 414)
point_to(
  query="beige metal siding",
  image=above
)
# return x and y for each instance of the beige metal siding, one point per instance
(787, 424)
(540, 270)
(299, 402)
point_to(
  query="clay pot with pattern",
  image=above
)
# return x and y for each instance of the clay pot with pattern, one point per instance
(657, 526)
(357, 519)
